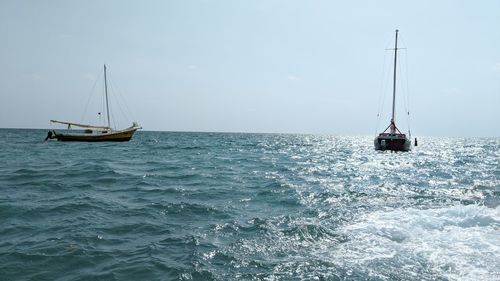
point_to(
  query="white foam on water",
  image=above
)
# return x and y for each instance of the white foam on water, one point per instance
(458, 242)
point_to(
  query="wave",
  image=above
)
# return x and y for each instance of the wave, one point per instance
(248, 206)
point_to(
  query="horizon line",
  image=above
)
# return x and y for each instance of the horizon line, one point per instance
(268, 133)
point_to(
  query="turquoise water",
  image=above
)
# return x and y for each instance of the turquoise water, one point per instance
(216, 206)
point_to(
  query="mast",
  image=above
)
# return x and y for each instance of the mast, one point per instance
(106, 93)
(393, 119)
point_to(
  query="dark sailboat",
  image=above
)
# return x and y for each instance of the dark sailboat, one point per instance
(392, 138)
(92, 133)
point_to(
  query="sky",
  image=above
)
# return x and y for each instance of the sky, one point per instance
(265, 66)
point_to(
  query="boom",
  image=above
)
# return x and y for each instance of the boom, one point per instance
(79, 125)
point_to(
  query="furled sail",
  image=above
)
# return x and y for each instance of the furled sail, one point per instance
(80, 125)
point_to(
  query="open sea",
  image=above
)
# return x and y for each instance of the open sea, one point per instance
(228, 206)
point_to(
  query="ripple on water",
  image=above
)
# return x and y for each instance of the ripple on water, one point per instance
(215, 206)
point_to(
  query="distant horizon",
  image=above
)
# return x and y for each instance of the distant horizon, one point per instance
(271, 133)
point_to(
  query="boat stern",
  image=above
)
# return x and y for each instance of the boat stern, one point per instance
(394, 142)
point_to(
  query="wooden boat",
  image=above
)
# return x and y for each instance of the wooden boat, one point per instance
(393, 139)
(91, 133)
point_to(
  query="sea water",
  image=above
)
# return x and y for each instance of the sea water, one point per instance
(218, 206)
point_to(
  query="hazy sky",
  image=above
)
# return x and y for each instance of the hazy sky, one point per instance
(253, 66)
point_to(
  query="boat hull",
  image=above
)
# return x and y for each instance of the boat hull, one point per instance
(118, 136)
(393, 142)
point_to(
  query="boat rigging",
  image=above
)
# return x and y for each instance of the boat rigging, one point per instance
(92, 133)
(393, 140)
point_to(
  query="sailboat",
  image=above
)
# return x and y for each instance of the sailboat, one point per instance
(91, 133)
(392, 138)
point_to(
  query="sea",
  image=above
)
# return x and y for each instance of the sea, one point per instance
(238, 206)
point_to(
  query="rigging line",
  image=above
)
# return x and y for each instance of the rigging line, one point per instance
(113, 91)
(127, 108)
(407, 96)
(123, 101)
(402, 89)
(383, 83)
(408, 91)
(381, 94)
(103, 104)
(90, 97)
(114, 119)
(388, 74)
(387, 82)
(112, 122)
(110, 108)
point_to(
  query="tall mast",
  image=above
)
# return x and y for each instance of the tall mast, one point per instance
(393, 119)
(106, 93)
